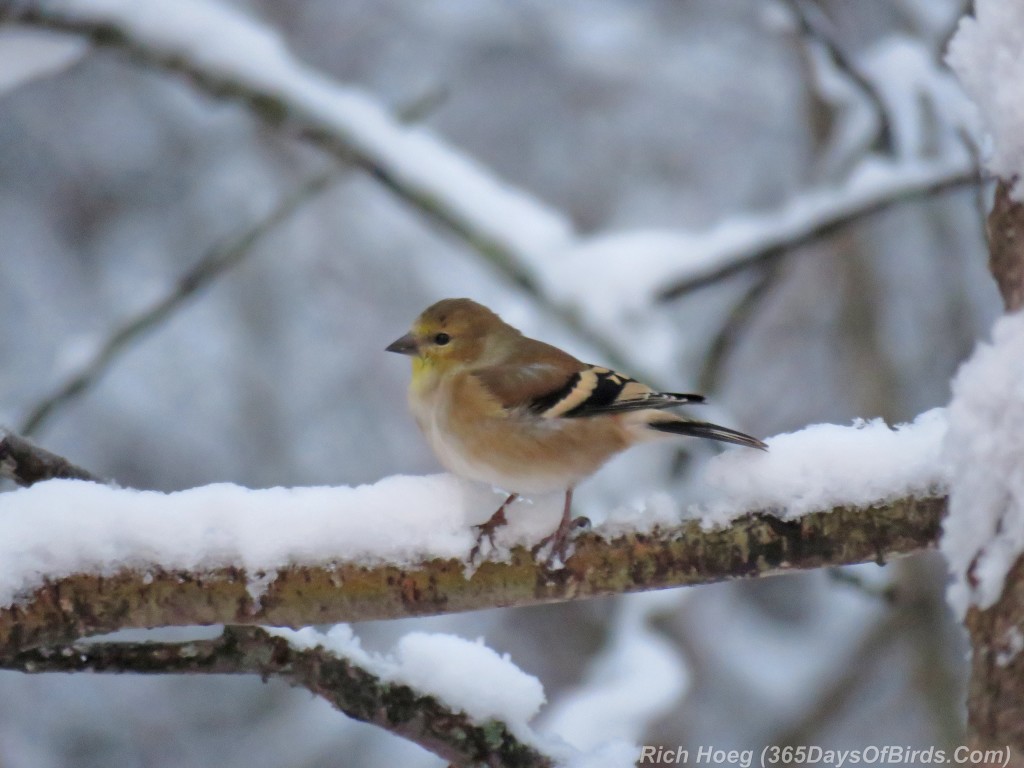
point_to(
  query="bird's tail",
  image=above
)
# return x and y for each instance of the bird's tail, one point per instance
(704, 429)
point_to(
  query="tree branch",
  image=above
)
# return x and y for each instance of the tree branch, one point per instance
(1006, 246)
(349, 687)
(275, 107)
(816, 26)
(517, 252)
(847, 209)
(326, 131)
(26, 463)
(995, 698)
(215, 263)
(739, 321)
(758, 544)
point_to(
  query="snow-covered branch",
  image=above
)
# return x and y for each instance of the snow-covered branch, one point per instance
(99, 600)
(363, 686)
(876, 185)
(528, 242)
(983, 537)
(228, 55)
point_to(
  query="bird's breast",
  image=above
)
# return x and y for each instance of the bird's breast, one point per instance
(515, 450)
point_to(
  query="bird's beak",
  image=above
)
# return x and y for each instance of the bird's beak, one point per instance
(407, 345)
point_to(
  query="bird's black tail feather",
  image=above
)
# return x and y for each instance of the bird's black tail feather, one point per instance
(710, 431)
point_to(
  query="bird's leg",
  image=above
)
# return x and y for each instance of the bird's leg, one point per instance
(559, 540)
(493, 523)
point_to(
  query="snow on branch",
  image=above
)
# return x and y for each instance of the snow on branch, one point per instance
(228, 55)
(65, 608)
(984, 535)
(983, 538)
(431, 695)
(664, 265)
(985, 54)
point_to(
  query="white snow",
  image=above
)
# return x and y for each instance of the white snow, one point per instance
(983, 535)
(827, 465)
(257, 584)
(465, 675)
(469, 675)
(986, 55)
(659, 510)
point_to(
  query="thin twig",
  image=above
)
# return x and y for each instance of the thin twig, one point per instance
(26, 463)
(215, 263)
(815, 25)
(351, 688)
(736, 325)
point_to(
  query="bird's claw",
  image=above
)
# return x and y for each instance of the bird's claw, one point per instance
(487, 530)
(560, 541)
(483, 532)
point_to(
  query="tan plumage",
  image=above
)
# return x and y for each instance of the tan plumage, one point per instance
(520, 414)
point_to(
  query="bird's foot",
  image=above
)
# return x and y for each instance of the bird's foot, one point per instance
(486, 530)
(560, 541)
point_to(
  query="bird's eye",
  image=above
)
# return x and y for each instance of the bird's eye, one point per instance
(441, 339)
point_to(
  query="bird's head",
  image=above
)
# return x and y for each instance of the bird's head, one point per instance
(453, 334)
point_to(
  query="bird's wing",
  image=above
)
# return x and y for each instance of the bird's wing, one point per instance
(596, 391)
(567, 388)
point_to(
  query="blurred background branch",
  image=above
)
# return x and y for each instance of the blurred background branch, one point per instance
(831, 213)
(214, 264)
(26, 463)
(353, 689)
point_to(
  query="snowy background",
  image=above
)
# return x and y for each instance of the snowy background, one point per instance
(655, 138)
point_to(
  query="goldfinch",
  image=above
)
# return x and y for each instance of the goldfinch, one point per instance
(501, 408)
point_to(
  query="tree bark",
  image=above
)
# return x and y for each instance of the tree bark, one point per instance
(995, 698)
(1006, 246)
(755, 545)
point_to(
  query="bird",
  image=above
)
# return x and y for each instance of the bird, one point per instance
(501, 408)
